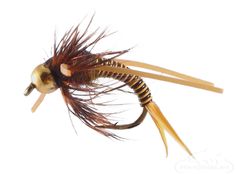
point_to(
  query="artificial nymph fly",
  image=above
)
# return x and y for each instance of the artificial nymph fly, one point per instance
(73, 68)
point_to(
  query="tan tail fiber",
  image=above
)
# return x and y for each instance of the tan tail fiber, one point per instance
(162, 124)
(163, 70)
(185, 82)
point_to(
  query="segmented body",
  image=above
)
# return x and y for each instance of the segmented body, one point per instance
(136, 83)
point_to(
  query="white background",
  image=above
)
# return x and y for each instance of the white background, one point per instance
(193, 37)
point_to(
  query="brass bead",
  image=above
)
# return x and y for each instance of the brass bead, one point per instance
(43, 80)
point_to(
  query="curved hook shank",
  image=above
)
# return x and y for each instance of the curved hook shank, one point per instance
(127, 126)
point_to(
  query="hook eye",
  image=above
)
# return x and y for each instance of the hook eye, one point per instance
(29, 89)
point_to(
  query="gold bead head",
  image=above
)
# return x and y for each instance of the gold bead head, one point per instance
(43, 80)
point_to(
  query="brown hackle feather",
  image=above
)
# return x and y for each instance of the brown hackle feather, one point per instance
(75, 50)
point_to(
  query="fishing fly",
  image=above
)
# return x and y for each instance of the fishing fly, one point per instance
(74, 68)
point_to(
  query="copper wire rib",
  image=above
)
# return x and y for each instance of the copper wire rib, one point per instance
(134, 82)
